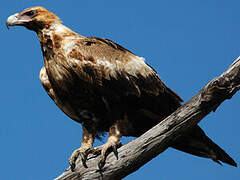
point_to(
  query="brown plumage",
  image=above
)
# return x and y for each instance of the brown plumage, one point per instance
(106, 88)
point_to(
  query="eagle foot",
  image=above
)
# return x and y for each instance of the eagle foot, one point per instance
(83, 153)
(105, 150)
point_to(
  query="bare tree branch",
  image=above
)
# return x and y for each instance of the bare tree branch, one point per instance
(138, 152)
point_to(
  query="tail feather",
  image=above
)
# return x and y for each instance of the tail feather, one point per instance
(197, 143)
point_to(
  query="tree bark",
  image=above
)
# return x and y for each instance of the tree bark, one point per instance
(138, 152)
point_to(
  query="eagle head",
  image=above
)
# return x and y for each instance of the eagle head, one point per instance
(34, 18)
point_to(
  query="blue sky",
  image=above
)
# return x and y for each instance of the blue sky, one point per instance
(187, 42)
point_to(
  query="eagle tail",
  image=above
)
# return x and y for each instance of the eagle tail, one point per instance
(197, 143)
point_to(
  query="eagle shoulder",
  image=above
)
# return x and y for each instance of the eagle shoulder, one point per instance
(107, 64)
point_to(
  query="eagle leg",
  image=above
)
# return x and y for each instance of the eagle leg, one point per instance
(84, 150)
(112, 144)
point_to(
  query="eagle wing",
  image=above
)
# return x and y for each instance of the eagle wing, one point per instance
(108, 65)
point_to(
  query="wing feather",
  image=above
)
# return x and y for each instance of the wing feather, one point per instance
(107, 64)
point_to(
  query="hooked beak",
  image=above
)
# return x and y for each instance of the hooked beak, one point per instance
(12, 20)
(17, 20)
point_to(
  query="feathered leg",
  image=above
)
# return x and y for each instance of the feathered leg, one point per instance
(114, 136)
(83, 151)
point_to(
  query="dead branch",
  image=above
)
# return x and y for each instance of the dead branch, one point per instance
(138, 152)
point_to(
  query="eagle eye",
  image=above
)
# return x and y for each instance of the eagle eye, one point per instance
(30, 13)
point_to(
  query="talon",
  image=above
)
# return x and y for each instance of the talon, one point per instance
(105, 150)
(72, 166)
(115, 151)
(96, 151)
(101, 164)
(84, 156)
(89, 150)
(84, 159)
(73, 159)
(79, 152)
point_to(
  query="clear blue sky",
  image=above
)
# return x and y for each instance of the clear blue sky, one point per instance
(187, 42)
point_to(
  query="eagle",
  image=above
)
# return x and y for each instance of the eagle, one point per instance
(106, 88)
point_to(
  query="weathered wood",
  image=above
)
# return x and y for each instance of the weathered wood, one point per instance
(138, 152)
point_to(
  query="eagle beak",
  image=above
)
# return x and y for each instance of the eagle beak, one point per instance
(12, 20)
